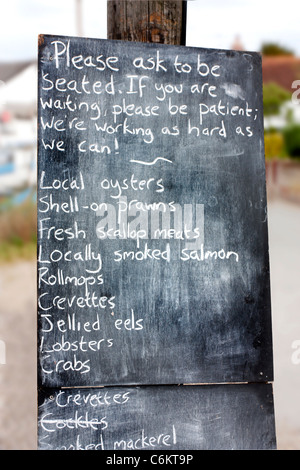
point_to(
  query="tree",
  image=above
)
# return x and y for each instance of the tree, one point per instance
(273, 49)
(273, 97)
(292, 140)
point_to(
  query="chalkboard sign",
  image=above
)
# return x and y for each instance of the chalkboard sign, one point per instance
(153, 260)
(215, 417)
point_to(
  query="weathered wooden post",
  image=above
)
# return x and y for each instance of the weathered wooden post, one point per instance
(157, 21)
(79, 26)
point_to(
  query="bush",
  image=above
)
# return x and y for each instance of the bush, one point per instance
(273, 98)
(292, 140)
(18, 232)
(274, 145)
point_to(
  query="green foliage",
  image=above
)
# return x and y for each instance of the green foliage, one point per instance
(292, 140)
(18, 232)
(274, 145)
(273, 97)
(273, 49)
(10, 252)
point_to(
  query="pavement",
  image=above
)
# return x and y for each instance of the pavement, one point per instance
(284, 239)
(18, 374)
(18, 331)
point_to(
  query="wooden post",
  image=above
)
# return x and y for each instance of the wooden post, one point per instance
(157, 21)
(79, 26)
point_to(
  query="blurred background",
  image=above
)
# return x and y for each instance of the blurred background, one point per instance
(270, 27)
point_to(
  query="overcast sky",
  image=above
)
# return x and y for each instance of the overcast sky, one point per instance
(210, 23)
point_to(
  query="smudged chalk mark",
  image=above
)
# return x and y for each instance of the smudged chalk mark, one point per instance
(233, 90)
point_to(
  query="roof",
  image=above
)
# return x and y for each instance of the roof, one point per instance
(9, 70)
(19, 95)
(283, 70)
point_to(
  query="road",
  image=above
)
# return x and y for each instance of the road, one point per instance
(18, 331)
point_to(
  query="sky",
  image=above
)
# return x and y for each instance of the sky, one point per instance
(211, 24)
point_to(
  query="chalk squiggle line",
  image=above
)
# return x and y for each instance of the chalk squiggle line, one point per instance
(152, 163)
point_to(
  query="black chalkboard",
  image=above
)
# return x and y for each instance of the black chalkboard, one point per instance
(153, 260)
(215, 417)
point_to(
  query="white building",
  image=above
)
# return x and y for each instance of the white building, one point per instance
(18, 128)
